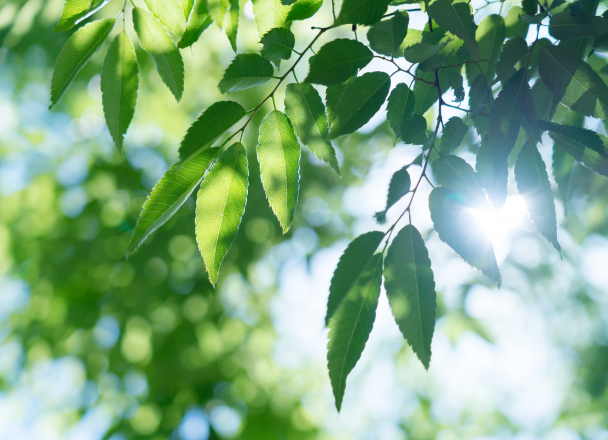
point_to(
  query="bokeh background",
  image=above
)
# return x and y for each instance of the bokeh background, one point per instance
(93, 346)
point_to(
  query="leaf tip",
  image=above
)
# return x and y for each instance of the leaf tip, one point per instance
(380, 217)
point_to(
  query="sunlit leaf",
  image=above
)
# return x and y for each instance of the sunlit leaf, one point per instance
(155, 40)
(75, 11)
(514, 26)
(534, 186)
(76, 52)
(398, 187)
(278, 153)
(220, 205)
(351, 325)
(209, 126)
(306, 111)
(170, 13)
(490, 35)
(231, 23)
(456, 18)
(561, 168)
(169, 194)
(455, 173)
(585, 155)
(337, 61)
(586, 137)
(494, 181)
(277, 45)
(198, 20)
(352, 264)
(361, 100)
(246, 70)
(410, 287)
(119, 84)
(456, 226)
(454, 132)
(303, 9)
(270, 14)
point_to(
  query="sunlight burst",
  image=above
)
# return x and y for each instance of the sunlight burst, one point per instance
(497, 223)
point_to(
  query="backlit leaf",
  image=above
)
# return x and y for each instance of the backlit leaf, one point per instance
(170, 13)
(220, 205)
(512, 51)
(586, 137)
(456, 18)
(410, 287)
(400, 108)
(352, 264)
(490, 35)
(573, 82)
(246, 70)
(333, 94)
(76, 52)
(209, 126)
(457, 227)
(398, 187)
(351, 325)
(119, 84)
(306, 111)
(453, 134)
(155, 40)
(75, 11)
(455, 173)
(277, 45)
(365, 12)
(169, 194)
(585, 155)
(278, 153)
(534, 186)
(565, 26)
(337, 61)
(270, 14)
(513, 25)
(361, 100)
(231, 23)
(386, 36)
(303, 9)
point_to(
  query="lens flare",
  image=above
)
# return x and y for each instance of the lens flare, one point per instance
(498, 223)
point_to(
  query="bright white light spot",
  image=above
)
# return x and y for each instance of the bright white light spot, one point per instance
(497, 223)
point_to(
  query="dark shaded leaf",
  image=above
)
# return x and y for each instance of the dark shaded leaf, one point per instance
(400, 108)
(453, 133)
(365, 12)
(337, 61)
(386, 36)
(565, 26)
(277, 45)
(398, 187)
(246, 70)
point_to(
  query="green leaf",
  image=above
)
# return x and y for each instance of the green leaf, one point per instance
(512, 51)
(277, 45)
(586, 137)
(220, 205)
(420, 45)
(75, 11)
(546, 103)
(534, 186)
(434, 62)
(456, 18)
(455, 173)
(198, 21)
(386, 36)
(209, 126)
(270, 14)
(426, 93)
(231, 24)
(562, 170)
(76, 52)
(513, 25)
(415, 132)
(361, 100)
(573, 82)
(351, 326)
(585, 155)
(564, 26)
(410, 288)
(169, 194)
(453, 133)
(187, 6)
(399, 186)
(456, 226)
(306, 111)
(303, 9)
(353, 263)
(170, 13)
(218, 10)
(337, 61)
(400, 108)
(365, 12)
(246, 70)
(119, 84)
(530, 7)
(455, 81)
(333, 94)
(155, 40)
(493, 181)
(480, 101)
(490, 35)
(279, 157)
(505, 121)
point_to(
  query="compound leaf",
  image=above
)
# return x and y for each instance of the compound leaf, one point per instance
(351, 266)
(76, 52)
(168, 195)
(457, 227)
(306, 111)
(246, 70)
(119, 84)
(410, 288)
(533, 184)
(155, 40)
(278, 153)
(361, 100)
(337, 61)
(220, 205)
(210, 125)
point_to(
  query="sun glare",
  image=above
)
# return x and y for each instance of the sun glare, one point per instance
(497, 223)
